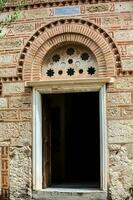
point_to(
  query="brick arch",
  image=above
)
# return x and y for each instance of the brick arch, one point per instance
(65, 31)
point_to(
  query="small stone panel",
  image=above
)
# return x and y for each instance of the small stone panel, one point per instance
(123, 83)
(123, 6)
(6, 59)
(128, 64)
(20, 173)
(11, 88)
(8, 115)
(3, 103)
(20, 102)
(120, 131)
(11, 43)
(123, 35)
(118, 98)
(18, 133)
(8, 72)
(117, 21)
(95, 195)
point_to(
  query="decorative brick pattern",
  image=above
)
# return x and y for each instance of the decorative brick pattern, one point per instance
(5, 173)
(55, 33)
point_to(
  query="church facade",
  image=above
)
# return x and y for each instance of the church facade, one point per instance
(66, 101)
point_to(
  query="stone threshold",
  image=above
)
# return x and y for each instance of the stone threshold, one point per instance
(69, 194)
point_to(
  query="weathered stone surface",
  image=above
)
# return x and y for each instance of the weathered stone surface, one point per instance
(128, 64)
(120, 131)
(8, 59)
(125, 83)
(118, 98)
(20, 102)
(98, 8)
(123, 6)
(123, 35)
(10, 88)
(121, 171)
(18, 133)
(3, 103)
(8, 72)
(117, 21)
(26, 114)
(127, 112)
(113, 113)
(20, 173)
(0, 170)
(79, 195)
(8, 115)
(11, 43)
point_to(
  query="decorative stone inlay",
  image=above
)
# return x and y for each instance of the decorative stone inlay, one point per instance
(15, 87)
(11, 43)
(69, 60)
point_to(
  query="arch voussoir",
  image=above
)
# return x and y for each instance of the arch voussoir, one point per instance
(69, 30)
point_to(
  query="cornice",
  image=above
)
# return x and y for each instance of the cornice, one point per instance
(33, 4)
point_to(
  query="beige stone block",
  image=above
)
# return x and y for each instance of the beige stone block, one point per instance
(20, 102)
(120, 20)
(20, 173)
(127, 112)
(26, 114)
(124, 35)
(15, 87)
(23, 28)
(130, 49)
(119, 98)
(11, 43)
(120, 171)
(3, 103)
(18, 133)
(127, 64)
(6, 115)
(120, 131)
(35, 13)
(124, 83)
(101, 7)
(8, 72)
(113, 113)
(6, 59)
(123, 6)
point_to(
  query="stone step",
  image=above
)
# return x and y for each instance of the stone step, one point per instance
(69, 195)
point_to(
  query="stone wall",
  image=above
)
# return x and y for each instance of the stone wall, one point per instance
(116, 18)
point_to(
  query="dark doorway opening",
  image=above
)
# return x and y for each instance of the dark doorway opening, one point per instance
(73, 152)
